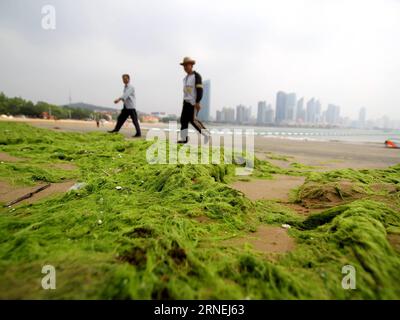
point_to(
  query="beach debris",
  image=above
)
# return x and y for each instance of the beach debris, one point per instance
(106, 172)
(78, 186)
(392, 143)
(286, 226)
(28, 195)
(118, 187)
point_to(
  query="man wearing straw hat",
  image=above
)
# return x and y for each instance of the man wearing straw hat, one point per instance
(192, 94)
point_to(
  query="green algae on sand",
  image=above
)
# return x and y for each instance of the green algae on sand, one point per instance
(143, 241)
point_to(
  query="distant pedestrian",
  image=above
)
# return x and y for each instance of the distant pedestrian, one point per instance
(129, 109)
(97, 119)
(192, 94)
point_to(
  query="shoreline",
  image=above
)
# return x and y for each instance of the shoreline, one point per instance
(276, 133)
(279, 150)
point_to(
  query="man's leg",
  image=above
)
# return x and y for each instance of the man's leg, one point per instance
(121, 119)
(185, 119)
(199, 123)
(196, 123)
(199, 126)
(135, 121)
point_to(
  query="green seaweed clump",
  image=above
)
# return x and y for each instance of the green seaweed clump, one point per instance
(153, 231)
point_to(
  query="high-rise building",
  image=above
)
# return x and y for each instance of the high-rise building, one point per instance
(229, 114)
(285, 107)
(300, 111)
(247, 114)
(226, 115)
(220, 116)
(240, 113)
(265, 113)
(243, 114)
(311, 111)
(261, 112)
(290, 107)
(332, 114)
(269, 119)
(204, 113)
(318, 111)
(280, 110)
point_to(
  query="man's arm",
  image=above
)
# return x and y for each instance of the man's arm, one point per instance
(199, 91)
(128, 92)
(199, 87)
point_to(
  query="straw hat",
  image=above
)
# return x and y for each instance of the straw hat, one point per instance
(187, 60)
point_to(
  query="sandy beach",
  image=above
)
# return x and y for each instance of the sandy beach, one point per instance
(279, 151)
(266, 220)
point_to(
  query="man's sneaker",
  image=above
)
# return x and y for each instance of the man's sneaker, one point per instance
(137, 135)
(112, 131)
(183, 141)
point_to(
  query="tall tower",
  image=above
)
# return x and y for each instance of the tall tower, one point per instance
(290, 107)
(280, 113)
(204, 113)
(300, 112)
(332, 114)
(262, 112)
(311, 111)
(240, 113)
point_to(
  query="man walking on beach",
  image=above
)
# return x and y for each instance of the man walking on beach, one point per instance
(192, 94)
(129, 109)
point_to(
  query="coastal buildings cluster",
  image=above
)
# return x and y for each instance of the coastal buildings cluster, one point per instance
(289, 110)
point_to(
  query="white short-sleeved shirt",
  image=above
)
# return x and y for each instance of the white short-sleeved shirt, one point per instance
(189, 88)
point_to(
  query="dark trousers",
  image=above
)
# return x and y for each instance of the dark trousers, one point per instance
(189, 116)
(125, 113)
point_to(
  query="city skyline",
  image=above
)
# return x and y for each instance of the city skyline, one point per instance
(289, 110)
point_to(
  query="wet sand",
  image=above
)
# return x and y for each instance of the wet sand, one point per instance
(276, 189)
(267, 239)
(10, 192)
(327, 154)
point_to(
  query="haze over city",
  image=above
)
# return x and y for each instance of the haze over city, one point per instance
(340, 52)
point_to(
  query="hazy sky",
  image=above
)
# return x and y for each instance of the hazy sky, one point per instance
(345, 52)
